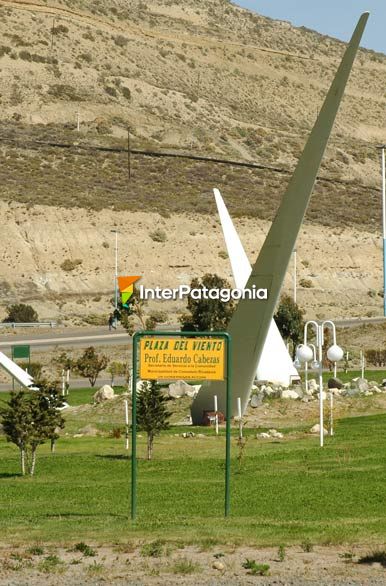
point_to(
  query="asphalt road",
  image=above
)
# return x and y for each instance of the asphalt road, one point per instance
(70, 337)
(102, 336)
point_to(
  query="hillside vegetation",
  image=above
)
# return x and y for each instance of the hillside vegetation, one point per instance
(203, 78)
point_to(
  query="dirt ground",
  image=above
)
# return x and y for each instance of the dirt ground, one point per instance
(323, 566)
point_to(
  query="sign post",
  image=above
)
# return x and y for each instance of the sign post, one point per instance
(187, 356)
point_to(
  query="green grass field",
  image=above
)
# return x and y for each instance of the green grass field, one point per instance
(286, 491)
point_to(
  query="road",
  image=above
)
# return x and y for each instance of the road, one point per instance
(100, 336)
(65, 337)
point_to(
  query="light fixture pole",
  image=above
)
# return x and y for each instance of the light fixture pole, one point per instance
(116, 277)
(305, 353)
(382, 149)
(295, 269)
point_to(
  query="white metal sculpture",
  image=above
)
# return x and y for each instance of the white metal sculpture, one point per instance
(20, 375)
(275, 364)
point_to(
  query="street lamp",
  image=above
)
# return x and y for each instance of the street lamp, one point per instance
(116, 277)
(382, 149)
(305, 353)
(295, 276)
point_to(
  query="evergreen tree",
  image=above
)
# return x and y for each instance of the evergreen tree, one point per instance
(29, 419)
(289, 320)
(152, 414)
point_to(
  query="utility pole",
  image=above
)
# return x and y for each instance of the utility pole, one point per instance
(295, 283)
(128, 154)
(116, 277)
(382, 149)
(52, 34)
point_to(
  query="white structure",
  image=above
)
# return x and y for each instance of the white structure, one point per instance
(20, 375)
(275, 364)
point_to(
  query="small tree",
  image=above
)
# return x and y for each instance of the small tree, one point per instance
(90, 364)
(21, 313)
(29, 419)
(207, 314)
(152, 414)
(117, 369)
(134, 310)
(289, 320)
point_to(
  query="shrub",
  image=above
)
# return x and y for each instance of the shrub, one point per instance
(69, 265)
(120, 41)
(21, 313)
(126, 93)
(111, 91)
(306, 283)
(61, 29)
(154, 549)
(158, 235)
(256, 569)
(85, 549)
(307, 546)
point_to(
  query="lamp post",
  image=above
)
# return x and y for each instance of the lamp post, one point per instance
(116, 277)
(295, 276)
(305, 353)
(382, 149)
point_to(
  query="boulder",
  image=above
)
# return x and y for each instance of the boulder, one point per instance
(316, 429)
(276, 434)
(88, 430)
(188, 434)
(312, 386)
(263, 435)
(335, 383)
(182, 389)
(324, 395)
(256, 401)
(383, 382)
(361, 384)
(269, 391)
(353, 393)
(105, 393)
(290, 395)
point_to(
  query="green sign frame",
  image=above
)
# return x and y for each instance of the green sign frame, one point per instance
(22, 351)
(228, 376)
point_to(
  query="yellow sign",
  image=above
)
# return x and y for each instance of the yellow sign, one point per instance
(182, 358)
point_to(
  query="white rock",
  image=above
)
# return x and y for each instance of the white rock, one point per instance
(217, 565)
(256, 401)
(289, 395)
(324, 394)
(316, 429)
(276, 434)
(313, 385)
(181, 389)
(105, 393)
(263, 435)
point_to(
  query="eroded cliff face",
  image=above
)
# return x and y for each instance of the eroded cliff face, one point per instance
(61, 261)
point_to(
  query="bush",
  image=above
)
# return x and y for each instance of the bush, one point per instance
(61, 29)
(306, 283)
(120, 41)
(158, 235)
(21, 313)
(69, 265)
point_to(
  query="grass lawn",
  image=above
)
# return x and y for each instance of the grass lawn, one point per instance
(286, 491)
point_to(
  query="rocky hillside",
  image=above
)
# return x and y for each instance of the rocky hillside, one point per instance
(203, 79)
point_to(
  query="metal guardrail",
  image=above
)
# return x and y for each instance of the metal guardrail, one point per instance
(39, 324)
